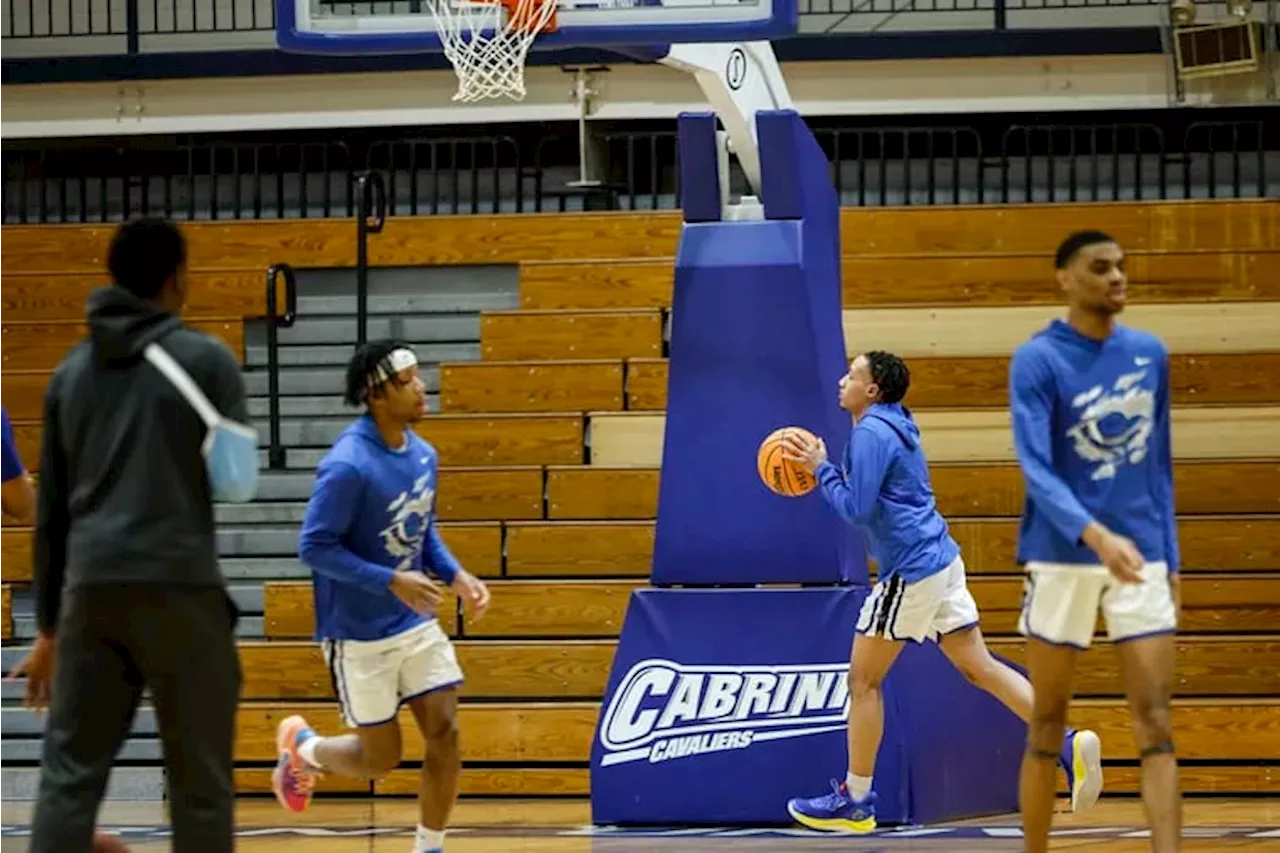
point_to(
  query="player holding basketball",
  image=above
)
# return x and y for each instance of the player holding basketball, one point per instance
(1090, 401)
(920, 594)
(370, 537)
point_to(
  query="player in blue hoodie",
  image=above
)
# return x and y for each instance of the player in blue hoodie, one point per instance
(921, 591)
(369, 537)
(1090, 403)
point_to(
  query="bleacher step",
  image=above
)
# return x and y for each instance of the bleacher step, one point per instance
(25, 722)
(437, 300)
(250, 624)
(248, 628)
(319, 381)
(312, 432)
(323, 355)
(28, 750)
(263, 569)
(259, 513)
(258, 541)
(422, 329)
(125, 784)
(285, 485)
(319, 406)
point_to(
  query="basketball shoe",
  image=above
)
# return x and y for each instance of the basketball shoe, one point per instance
(1081, 758)
(293, 781)
(835, 812)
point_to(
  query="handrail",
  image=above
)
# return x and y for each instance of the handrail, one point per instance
(275, 322)
(371, 216)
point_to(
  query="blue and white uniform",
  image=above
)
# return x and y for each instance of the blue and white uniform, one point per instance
(371, 514)
(885, 490)
(10, 462)
(1091, 426)
(921, 592)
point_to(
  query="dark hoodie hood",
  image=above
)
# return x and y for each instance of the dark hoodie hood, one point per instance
(121, 325)
(899, 419)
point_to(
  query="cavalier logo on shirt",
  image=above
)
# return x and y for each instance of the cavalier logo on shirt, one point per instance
(409, 513)
(1113, 426)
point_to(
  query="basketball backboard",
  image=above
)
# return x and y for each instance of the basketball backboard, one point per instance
(408, 26)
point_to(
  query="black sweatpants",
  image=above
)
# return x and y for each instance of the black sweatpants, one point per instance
(112, 640)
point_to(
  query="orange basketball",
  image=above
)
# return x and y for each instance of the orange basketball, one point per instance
(780, 475)
(106, 843)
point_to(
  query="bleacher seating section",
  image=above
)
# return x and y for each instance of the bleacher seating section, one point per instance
(551, 443)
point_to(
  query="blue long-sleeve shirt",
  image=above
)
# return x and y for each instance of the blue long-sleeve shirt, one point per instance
(1091, 427)
(10, 464)
(885, 490)
(371, 514)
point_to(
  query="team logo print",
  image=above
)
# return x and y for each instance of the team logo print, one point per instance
(665, 710)
(1113, 427)
(409, 514)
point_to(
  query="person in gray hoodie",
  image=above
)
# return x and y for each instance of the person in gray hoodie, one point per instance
(127, 587)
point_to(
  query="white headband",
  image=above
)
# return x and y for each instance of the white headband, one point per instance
(398, 359)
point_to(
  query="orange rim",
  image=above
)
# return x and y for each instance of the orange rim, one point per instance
(525, 21)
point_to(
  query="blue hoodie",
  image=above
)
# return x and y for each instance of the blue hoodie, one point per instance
(1091, 430)
(371, 513)
(885, 490)
(11, 468)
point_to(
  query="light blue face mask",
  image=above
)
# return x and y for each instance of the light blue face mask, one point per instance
(230, 449)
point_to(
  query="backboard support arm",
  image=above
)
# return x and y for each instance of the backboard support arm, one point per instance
(739, 79)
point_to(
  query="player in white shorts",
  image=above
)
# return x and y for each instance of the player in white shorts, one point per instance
(370, 538)
(920, 595)
(1090, 406)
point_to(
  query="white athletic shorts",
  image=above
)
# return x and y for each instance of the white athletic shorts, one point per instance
(1060, 604)
(373, 678)
(927, 609)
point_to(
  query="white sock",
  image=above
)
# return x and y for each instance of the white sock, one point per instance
(428, 840)
(859, 786)
(308, 751)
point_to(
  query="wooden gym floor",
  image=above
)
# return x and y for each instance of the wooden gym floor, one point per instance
(558, 826)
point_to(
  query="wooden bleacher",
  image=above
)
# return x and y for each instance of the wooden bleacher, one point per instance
(565, 534)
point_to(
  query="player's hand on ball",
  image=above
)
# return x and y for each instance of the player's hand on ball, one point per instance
(808, 454)
(473, 591)
(420, 593)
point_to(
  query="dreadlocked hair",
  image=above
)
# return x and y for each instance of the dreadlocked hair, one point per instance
(890, 373)
(367, 367)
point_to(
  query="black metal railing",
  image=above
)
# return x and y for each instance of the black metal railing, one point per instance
(450, 175)
(871, 166)
(109, 182)
(130, 20)
(1055, 162)
(275, 322)
(883, 166)
(1228, 159)
(370, 219)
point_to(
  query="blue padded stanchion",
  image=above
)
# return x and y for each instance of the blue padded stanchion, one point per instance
(723, 703)
(756, 344)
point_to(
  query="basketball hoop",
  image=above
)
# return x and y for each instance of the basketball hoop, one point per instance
(487, 42)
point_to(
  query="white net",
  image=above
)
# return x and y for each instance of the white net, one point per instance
(487, 43)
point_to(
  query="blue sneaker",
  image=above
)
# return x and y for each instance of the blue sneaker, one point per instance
(836, 812)
(1081, 758)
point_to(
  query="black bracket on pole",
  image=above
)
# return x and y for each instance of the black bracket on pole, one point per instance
(371, 216)
(275, 322)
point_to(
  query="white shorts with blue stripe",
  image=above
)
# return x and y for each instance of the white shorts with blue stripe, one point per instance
(1060, 604)
(924, 610)
(373, 678)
